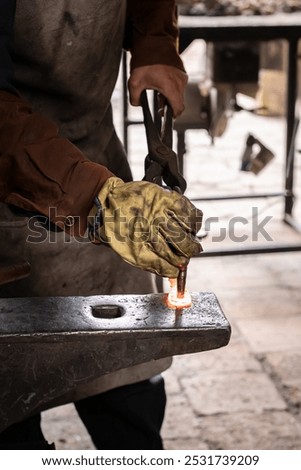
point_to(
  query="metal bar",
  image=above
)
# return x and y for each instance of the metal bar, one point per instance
(238, 28)
(49, 346)
(181, 150)
(275, 248)
(130, 122)
(237, 196)
(291, 124)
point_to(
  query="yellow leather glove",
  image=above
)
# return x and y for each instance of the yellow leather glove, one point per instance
(149, 227)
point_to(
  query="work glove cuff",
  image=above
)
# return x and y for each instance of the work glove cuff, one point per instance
(95, 221)
(95, 218)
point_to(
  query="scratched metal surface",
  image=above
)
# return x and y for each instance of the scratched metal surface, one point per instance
(49, 346)
(46, 316)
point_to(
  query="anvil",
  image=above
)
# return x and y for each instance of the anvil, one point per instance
(50, 345)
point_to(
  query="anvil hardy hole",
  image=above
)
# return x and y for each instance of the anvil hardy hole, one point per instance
(107, 311)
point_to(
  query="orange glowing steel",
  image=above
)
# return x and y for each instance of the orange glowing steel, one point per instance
(173, 301)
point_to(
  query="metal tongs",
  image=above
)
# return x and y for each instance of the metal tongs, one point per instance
(161, 163)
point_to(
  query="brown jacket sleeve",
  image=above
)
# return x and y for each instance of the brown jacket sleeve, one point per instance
(42, 172)
(151, 33)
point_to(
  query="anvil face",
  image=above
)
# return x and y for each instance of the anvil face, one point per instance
(44, 317)
(50, 345)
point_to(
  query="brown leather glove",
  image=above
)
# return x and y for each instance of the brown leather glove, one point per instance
(149, 227)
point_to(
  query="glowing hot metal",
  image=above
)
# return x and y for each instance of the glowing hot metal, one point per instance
(173, 300)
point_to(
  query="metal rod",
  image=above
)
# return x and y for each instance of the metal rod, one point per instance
(251, 250)
(291, 123)
(129, 122)
(181, 282)
(238, 196)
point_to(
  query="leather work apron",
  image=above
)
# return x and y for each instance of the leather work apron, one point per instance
(66, 65)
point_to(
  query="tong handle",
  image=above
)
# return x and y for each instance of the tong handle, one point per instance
(157, 132)
(167, 124)
(161, 163)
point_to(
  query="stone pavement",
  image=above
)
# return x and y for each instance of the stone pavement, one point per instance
(246, 395)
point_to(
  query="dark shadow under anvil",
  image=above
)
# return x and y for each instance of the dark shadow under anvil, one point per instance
(48, 346)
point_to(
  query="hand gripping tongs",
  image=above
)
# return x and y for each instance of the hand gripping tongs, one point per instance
(161, 163)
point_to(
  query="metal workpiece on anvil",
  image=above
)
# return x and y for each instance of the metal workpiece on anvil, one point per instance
(48, 346)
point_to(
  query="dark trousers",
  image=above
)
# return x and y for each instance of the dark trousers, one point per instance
(125, 418)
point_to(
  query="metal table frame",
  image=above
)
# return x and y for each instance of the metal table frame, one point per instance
(259, 28)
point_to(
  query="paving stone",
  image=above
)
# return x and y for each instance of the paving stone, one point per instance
(246, 302)
(210, 393)
(286, 367)
(269, 430)
(249, 279)
(264, 335)
(184, 444)
(171, 379)
(235, 357)
(180, 421)
(205, 274)
(63, 426)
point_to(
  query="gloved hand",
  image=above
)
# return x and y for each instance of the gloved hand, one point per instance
(149, 227)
